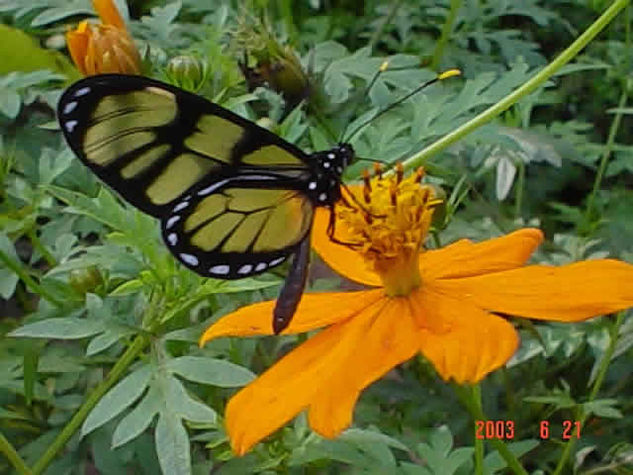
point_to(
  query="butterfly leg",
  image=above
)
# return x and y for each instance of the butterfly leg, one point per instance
(293, 287)
(331, 229)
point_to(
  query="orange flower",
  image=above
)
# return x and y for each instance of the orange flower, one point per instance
(106, 47)
(437, 302)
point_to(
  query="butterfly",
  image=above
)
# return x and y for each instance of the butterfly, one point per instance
(233, 199)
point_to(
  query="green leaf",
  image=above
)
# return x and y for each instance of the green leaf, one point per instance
(117, 399)
(10, 103)
(33, 57)
(172, 445)
(139, 418)
(438, 453)
(68, 328)
(113, 334)
(210, 371)
(179, 402)
(8, 279)
(603, 408)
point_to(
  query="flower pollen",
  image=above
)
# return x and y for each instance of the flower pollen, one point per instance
(389, 229)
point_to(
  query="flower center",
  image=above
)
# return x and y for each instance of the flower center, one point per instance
(388, 220)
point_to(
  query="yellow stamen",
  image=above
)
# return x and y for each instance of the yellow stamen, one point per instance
(399, 172)
(367, 187)
(378, 170)
(391, 227)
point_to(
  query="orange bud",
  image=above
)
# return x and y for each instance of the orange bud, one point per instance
(106, 47)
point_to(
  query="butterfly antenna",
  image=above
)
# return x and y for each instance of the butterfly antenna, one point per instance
(383, 67)
(440, 77)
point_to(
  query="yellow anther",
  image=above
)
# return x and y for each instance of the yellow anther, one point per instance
(419, 174)
(378, 170)
(399, 172)
(449, 74)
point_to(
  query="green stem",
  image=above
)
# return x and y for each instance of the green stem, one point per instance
(28, 280)
(613, 130)
(604, 160)
(285, 10)
(542, 76)
(602, 371)
(472, 400)
(447, 29)
(139, 343)
(9, 451)
(479, 442)
(37, 244)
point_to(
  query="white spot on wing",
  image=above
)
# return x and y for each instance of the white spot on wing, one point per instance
(261, 266)
(331, 156)
(171, 221)
(312, 185)
(70, 125)
(322, 197)
(245, 269)
(326, 165)
(210, 189)
(68, 108)
(221, 269)
(172, 239)
(82, 92)
(180, 206)
(189, 259)
(277, 261)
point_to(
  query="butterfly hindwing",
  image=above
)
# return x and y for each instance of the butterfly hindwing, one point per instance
(238, 226)
(153, 142)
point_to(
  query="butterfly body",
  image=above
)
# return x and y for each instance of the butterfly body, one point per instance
(234, 200)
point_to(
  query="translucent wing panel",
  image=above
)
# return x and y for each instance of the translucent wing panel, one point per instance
(152, 142)
(239, 228)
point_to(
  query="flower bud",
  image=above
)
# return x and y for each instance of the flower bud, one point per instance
(187, 72)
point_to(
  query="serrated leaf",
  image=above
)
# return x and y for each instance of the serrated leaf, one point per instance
(179, 402)
(121, 396)
(139, 418)
(68, 328)
(210, 371)
(172, 445)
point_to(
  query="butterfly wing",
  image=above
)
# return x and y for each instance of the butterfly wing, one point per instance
(238, 226)
(152, 142)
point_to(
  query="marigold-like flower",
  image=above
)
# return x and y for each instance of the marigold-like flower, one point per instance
(106, 47)
(437, 302)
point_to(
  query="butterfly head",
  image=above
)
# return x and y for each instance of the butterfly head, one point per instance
(325, 190)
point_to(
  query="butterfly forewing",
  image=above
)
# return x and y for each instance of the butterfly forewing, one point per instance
(153, 142)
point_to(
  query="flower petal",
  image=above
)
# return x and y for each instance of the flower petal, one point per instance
(290, 385)
(77, 41)
(314, 311)
(389, 337)
(474, 344)
(464, 258)
(568, 293)
(108, 13)
(342, 259)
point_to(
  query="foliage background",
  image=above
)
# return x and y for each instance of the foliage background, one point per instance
(80, 280)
